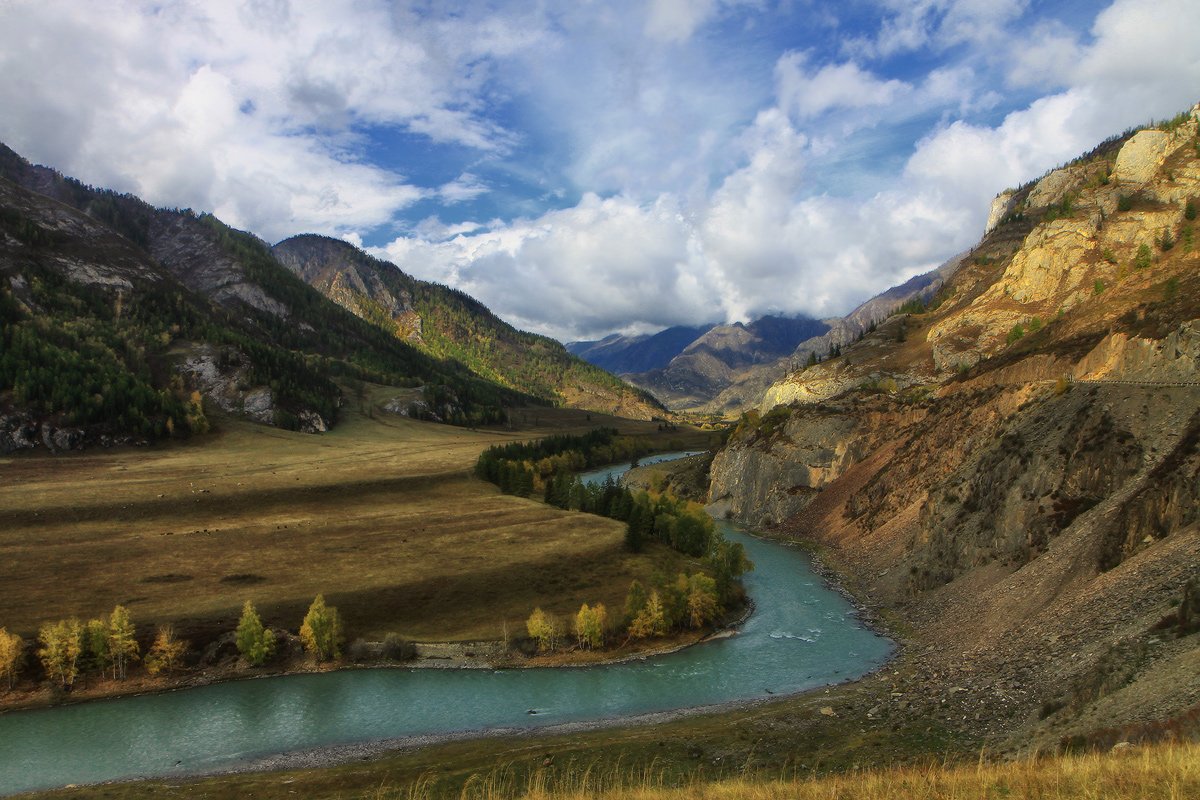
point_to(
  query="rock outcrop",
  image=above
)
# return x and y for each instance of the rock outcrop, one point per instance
(1015, 471)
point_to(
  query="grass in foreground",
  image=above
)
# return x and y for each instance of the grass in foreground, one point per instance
(1167, 771)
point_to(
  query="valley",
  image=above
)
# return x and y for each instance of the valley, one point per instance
(382, 514)
(956, 527)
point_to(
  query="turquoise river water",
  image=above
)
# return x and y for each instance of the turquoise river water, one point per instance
(801, 635)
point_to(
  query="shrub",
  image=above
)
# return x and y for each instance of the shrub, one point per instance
(1166, 241)
(397, 648)
(1016, 333)
(359, 650)
(1125, 202)
(1189, 209)
(1098, 288)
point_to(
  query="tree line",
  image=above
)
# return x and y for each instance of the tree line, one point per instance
(549, 466)
(109, 646)
(691, 601)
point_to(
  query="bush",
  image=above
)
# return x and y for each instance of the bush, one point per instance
(1125, 202)
(397, 648)
(1189, 209)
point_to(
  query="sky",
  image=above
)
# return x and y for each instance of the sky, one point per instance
(591, 167)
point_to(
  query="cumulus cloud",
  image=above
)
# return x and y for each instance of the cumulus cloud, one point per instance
(719, 174)
(249, 109)
(759, 242)
(834, 86)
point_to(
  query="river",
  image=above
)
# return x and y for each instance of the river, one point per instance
(802, 635)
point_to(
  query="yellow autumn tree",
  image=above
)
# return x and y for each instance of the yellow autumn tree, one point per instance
(702, 602)
(541, 629)
(12, 652)
(166, 653)
(61, 644)
(122, 641)
(322, 630)
(651, 620)
(590, 624)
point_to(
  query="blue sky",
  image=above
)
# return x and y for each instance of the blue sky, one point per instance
(589, 167)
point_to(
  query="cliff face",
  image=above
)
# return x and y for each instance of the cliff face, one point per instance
(1016, 471)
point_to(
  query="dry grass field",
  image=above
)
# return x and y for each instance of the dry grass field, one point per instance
(381, 514)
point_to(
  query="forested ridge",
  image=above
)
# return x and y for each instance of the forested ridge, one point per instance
(93, 325)
(549, 468)
(454, 325)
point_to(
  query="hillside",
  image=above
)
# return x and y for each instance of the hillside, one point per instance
(726, 369)
(448, 324)
(1013, 468)
(123, 323)
(747, 390)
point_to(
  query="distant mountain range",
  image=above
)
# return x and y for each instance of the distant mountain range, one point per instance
(724, 369)
(629, 354)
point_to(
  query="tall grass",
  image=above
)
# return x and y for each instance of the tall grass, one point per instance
(1160, 772)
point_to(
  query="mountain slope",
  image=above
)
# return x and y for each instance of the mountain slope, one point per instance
(748, 389)
(449, 324)
(115, 312)
(1014, 468)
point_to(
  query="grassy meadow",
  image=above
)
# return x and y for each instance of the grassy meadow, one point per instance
(382, 514)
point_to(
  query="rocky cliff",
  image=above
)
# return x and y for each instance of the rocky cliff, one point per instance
(1014, 469)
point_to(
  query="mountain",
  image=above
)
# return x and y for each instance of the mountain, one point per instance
(622, 355)
(448, 324)
(721, 355)
(1012, 466)
(747, 390)
(123, 322)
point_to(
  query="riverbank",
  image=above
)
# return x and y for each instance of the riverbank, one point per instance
(477, 655)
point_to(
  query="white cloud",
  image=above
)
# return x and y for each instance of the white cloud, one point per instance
(718, 179)
(248, 109)
(676, 20)
(833, 86)
(465, 187)
(910, 25)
